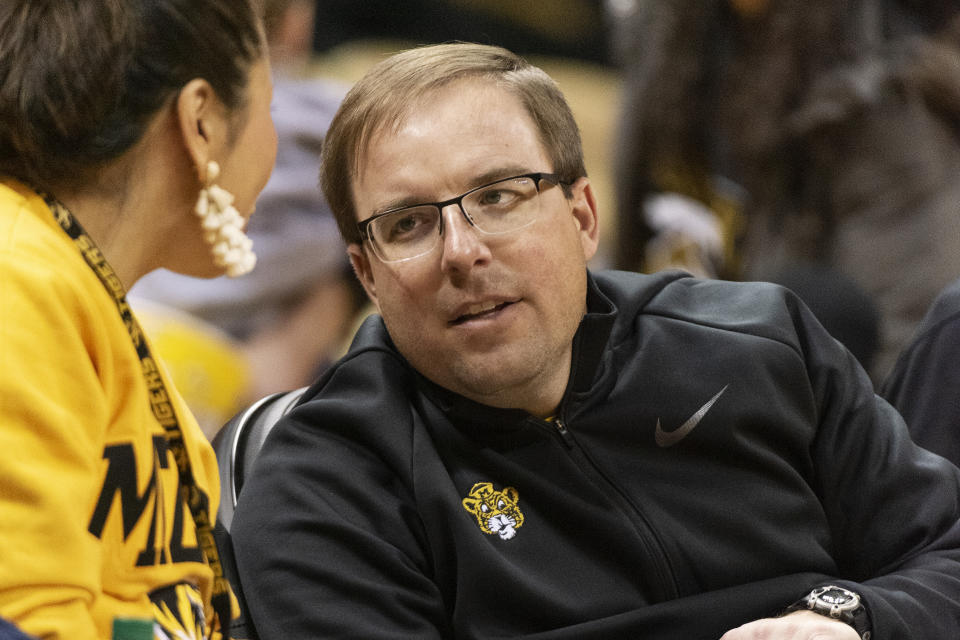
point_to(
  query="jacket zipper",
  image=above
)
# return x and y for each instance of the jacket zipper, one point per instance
(640, 523)
(565, 436)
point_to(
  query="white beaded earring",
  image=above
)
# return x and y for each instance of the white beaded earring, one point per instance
(223, 227)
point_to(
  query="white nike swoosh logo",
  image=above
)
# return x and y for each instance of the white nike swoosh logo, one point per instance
(670, 438)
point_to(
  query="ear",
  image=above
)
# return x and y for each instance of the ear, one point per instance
(361, 267)
(585, 216)
(203, 123)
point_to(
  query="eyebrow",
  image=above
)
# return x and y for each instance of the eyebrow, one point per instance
(487, 177)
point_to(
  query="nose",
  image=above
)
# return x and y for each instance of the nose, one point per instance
(463, 246)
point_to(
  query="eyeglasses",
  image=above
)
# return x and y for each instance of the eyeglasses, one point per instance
(499, 207)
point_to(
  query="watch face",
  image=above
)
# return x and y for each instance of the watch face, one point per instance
(835, 596)
(835, 601)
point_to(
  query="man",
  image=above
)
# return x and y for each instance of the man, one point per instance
(515, 447)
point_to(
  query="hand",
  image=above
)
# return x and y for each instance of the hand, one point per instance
(799, 625)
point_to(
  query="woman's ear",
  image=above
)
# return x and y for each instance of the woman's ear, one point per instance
(584, 210)
(202, 120)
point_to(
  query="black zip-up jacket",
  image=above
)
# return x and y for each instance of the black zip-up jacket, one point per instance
(716, 456)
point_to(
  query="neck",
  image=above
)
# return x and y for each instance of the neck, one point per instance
(544, 401)
(116, 227)
(539, 396)
(131, 207)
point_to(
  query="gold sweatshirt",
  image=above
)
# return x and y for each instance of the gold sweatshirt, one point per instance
(92, 525)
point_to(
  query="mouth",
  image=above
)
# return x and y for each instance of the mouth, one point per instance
(481, 310)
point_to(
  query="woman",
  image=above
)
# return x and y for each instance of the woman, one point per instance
(134, 134)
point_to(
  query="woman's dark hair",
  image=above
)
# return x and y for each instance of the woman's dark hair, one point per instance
(80, 79)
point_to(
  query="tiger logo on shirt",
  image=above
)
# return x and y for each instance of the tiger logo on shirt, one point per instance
(496, 511)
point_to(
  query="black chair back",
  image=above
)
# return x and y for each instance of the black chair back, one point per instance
(237, 445)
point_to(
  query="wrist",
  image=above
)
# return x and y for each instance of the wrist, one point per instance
(838, 604)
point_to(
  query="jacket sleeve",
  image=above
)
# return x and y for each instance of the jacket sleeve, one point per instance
(893, 507)
(327, 540)
(52, 412)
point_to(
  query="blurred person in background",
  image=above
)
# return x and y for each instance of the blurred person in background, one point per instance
(762, 135)
(289, 25)
(925, 384)
(573, 29)
(133, 135)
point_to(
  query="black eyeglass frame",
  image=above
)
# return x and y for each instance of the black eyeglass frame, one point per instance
(535, 176)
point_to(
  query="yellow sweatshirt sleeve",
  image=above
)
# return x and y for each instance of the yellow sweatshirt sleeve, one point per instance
(52, 427)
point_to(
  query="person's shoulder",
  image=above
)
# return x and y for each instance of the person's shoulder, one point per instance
(50, 296)
(24, 223)
(681, 294)
(38, 262)
(371, 370)
(345, 411)
(946, 307)
(30, 239)
(931, 347)
(629, 291)
(761, 308)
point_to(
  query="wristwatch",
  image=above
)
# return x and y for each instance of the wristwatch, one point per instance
(837, 603)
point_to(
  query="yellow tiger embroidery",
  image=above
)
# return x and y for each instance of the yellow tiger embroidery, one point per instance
(495, 511)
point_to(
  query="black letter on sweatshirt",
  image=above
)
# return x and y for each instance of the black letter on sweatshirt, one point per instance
(122, 478)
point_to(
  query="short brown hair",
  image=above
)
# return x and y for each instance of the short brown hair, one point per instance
(80, 80)
(381, 99)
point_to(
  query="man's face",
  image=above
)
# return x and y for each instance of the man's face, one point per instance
(491, 317)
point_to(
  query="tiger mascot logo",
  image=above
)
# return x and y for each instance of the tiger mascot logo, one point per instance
(495, 511)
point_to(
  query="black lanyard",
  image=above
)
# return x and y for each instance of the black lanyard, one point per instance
(160, 405)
